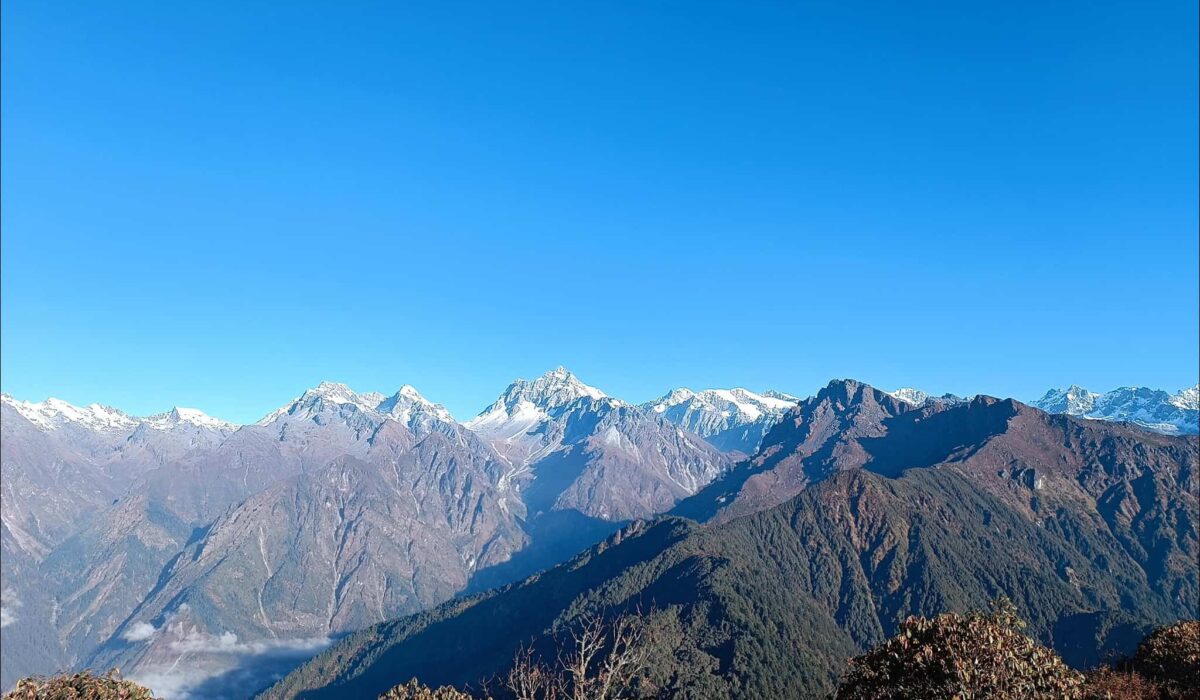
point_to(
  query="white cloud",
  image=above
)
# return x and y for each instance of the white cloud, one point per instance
(222, 666)
(139, 632)
(196, 642)
(8, 606)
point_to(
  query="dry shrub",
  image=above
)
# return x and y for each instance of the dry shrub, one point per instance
(1171, 656)
(975, 655)
(1110, 684)
(79, 686)
(413, 690)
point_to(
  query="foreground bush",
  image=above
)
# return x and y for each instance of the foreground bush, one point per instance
(79, 686)
(1171, 656)
(413, 690)
(961, 656)
(1111, 684)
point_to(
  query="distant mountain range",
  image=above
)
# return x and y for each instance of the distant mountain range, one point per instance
(140, 542)
(733, 420)
(1150, 408)
(199, 555)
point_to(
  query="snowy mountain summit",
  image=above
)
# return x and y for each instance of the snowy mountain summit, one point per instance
(916, 397)
(512, 424)
(732, 420)
(571, 447)
(406, 406)
(56, 414)
(1154, 409)
(194, 417)
(552, 390)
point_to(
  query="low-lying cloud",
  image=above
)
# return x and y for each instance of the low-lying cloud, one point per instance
(139, 632)
(196, 642)
(222, 667)
(8, 607)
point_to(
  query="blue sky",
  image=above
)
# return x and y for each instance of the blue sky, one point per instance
(220, 204)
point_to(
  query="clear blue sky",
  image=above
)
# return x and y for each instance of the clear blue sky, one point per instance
(220, 204)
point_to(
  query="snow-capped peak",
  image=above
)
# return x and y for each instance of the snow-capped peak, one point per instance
(324, 393)
(53, 414)
(408, 402)
(332, 391)
(554, 389)
(730, 419)
(910, 395)
(772, 394)
(407, 405)
(747, 404)
(525, 405)
(1150, 408)
(1188, 399)
(187, 416)
(1074, 400)
(559, 383)
(671, 398)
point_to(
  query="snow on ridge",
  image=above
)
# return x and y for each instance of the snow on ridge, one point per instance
(749, 405)
(910, 395)
(551, 391)
(190, 416)
(1153, 409)
(54, 414)
(1188, 399)
(403, 406)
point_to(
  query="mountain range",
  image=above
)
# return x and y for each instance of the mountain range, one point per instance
(204, 557)
(1173, 414)
(859, 510)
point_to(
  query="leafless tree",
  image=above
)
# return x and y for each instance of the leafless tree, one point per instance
(529, 679)
(600, 660)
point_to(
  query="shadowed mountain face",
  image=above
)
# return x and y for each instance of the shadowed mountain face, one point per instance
(819, 436)
(893, 510)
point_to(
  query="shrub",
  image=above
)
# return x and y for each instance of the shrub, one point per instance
(1171, 656)
(79, 686)
(968, 656)
(1110, 684)
(413, 690)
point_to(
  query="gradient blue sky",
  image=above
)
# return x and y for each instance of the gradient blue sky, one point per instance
(220, 204)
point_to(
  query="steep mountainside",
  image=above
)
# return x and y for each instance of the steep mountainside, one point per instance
(1079, 522)
(393, 531)
(149, 541)
(62, 467)
(818, 436)
(1157, 410)
(732, 420)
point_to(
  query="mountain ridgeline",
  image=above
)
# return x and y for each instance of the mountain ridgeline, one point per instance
(858, 511)
(771, 537)
(140, 543)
